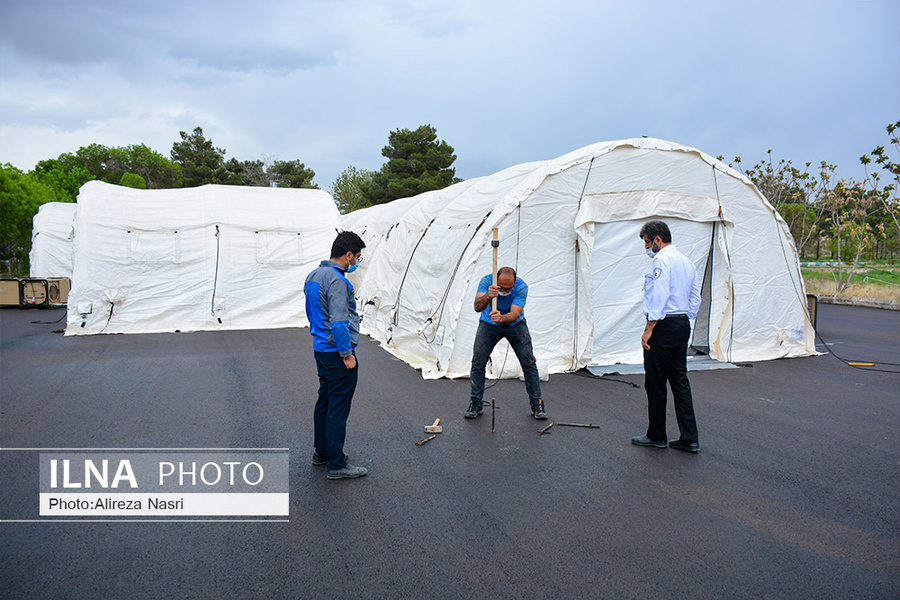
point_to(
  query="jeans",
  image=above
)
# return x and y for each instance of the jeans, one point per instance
(519, 338)
(666, 361)
(336, 386)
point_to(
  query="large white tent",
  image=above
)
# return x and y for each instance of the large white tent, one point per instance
(570, 228)
(206, 258)
(51, 240)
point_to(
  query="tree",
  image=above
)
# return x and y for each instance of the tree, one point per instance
(797, 194)
(347, 189)
(417, 162)
(133, 180)
(20, 197)
(64, 176)
(69, 172)
(850, 206)
(291, 174)
(201, 162)
(158, 171)
(889, 195)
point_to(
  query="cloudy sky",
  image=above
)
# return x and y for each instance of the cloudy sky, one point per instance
(504, 82)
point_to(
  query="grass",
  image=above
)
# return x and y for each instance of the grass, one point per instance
(881, 281)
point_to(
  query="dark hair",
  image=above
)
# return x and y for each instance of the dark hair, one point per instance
(651, 229)
(345, 242)
(503, 270)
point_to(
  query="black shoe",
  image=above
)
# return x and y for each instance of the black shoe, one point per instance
(474, 410)
(693, 447)
(643, 440)
(537, 410)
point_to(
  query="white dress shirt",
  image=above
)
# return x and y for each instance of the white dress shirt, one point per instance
(671, 287)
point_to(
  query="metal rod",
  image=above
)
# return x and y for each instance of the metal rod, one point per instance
(426, 440)
(493, 411)
(591, 425)
(544, 430)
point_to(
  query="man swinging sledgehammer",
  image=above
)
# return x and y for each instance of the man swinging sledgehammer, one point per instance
(507, 320)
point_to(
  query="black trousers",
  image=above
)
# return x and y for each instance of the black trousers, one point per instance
(666, 361)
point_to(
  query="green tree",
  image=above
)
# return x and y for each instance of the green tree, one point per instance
(850, 207)
(246, 172)
(133, 180)
(64, 176)
(201, 162)
(69, 172)
(417, 162)
(158, 171)
(291, 174)
(888, 194)
(347, 189)
(20, 197)
(797, 194)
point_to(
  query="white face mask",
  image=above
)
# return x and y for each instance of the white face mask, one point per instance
(652, 251)
(503, 293)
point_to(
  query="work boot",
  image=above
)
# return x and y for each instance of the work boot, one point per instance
(475, 409)
(537, 409)
(348, 472)
(319, 460)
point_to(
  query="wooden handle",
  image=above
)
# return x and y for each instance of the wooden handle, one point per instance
(495, 249)
(436, 423)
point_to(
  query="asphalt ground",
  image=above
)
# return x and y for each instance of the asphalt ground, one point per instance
(794, 494)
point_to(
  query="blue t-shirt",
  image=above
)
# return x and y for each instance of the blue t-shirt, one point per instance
(517, 296)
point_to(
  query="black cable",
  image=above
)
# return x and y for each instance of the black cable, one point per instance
(587, 373)
(212, 301)
(50, 322)
(439, 309)
(112, 306)
(394, 319)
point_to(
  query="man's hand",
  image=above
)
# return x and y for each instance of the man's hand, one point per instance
(493, 291)
(648, 332)
(496, 317)
(349, 361)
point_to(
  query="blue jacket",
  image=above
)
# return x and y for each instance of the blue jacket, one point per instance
(331, 310)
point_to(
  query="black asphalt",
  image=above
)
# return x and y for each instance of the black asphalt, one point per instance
(794, 494)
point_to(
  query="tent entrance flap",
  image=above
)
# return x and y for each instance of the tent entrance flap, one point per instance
(618, 265)
(700, 336)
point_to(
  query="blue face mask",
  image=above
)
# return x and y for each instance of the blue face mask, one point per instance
(353, 267)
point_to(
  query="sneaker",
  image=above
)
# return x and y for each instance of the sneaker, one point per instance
(348, 472)
(537, 409)
(474, 410)
(319, 460)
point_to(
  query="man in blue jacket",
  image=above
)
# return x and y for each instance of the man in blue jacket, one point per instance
(334, 325)
(508, 322)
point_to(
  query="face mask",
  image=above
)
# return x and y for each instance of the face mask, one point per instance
(650, 252)
(503, 293)
(352, 267)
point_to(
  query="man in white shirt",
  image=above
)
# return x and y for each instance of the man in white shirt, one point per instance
(671, 300)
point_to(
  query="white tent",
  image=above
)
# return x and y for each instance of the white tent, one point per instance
(570, 228)
(51, 240)
(206, 258)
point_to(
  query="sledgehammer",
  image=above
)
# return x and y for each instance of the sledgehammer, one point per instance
(435, 428)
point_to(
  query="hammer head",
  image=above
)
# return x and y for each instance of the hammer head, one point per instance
(435, 428)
